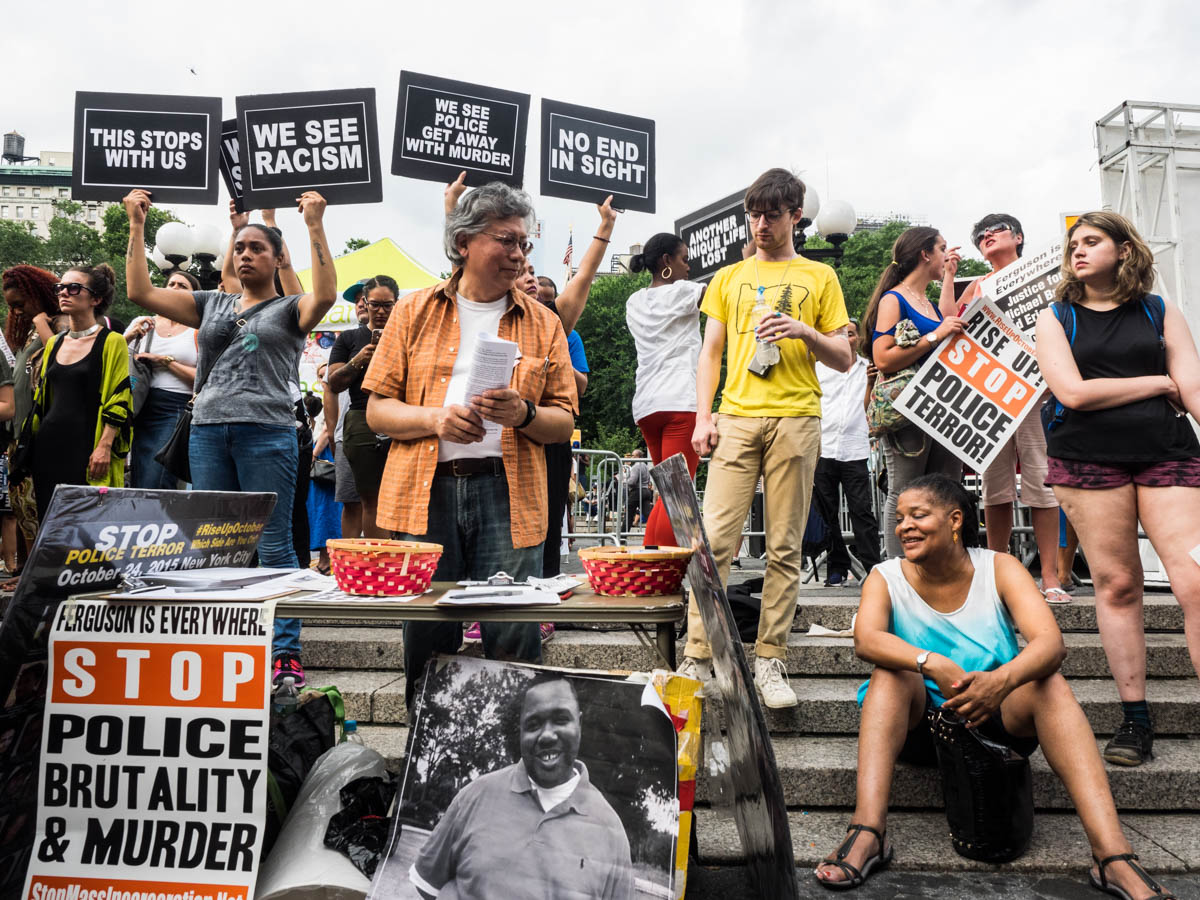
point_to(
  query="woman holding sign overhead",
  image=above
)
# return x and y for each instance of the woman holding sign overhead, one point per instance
(899, 329)
(1124, 373)
(243, 434)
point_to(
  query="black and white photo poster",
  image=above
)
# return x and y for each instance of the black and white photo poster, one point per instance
(714, 236)
(326, 141)
(445, 127)
(165, 144)
(588, 154)
(525, 783)
(1026, 286)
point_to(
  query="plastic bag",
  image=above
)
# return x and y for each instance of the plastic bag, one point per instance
(360, 829)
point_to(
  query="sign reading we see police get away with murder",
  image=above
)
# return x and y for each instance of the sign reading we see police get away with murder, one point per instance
(165, 144)
(588, 154)
(976, 388)
(445, 127)
(325, 141)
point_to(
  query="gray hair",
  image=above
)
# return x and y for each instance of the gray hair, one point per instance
(485, 204)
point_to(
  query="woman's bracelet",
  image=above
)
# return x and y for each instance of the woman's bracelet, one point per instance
(596, 237)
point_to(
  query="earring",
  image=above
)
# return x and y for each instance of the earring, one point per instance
(666, 273)
(956, 537)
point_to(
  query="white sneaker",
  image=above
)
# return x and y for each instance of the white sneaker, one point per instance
(770, 677)
(700, 670)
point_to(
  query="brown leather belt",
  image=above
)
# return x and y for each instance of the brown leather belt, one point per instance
(459, 468)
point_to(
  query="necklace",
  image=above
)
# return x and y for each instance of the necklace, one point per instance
(921, 301)
(87, 332)
(758, 280)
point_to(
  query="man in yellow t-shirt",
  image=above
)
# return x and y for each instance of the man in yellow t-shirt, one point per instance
(775, 313)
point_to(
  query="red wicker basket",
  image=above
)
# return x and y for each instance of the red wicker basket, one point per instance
(383, 568)
(634, 572)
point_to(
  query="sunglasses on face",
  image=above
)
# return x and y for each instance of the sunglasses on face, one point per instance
(511, 242)
(72, 289)
(978, 236)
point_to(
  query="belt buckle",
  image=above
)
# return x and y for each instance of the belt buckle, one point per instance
(454, 469)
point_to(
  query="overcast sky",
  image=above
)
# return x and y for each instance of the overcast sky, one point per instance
(944, 111)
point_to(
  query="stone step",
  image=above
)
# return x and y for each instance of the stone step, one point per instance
(820, 772)
(368, 647)
(1165, 843)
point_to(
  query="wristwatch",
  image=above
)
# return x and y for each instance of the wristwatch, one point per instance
(167, 360)
(922, 658)
(530, 413)
(932, 338)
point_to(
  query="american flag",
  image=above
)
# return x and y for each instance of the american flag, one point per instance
(570, 250)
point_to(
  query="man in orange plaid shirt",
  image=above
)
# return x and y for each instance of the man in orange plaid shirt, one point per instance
(479, 492)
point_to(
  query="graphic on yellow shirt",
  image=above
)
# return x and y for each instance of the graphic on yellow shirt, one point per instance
(786, 298)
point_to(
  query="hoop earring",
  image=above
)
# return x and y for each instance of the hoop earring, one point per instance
(666, 273)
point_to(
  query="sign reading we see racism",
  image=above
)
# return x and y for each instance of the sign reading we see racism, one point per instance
(588, 154)
(714, 236)
(976, 388)
(445, 127)
(165, 144)
(231, 161)
(326, 141)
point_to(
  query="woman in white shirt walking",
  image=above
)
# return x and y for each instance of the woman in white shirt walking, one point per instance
(664, 320)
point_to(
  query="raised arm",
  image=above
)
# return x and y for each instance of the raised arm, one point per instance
(947, 304)
(287, 275)
(574, 295)
(229, 279)
(177, 305)
(314, 305)
(454, 190)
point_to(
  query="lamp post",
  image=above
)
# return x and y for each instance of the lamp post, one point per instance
(178, 245)
(206, 250)
(835, 223)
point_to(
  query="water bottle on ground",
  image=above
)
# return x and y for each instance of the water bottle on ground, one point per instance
(286, 698)
(350, 733)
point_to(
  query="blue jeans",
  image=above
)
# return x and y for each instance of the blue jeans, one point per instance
(243, 456)
(153, 425)
(469, 517)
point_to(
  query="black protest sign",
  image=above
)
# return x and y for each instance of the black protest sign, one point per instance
(588, 154)
(445, 127)
(165, 144)
(325, 141)
(714, 236)
(231, 161)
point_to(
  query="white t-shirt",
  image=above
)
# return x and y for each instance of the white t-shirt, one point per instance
(843, 419)
(343, 404)
(665, 324)
(182, 346)
(474, 319)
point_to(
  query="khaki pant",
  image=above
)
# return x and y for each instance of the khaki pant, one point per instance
(784, 453)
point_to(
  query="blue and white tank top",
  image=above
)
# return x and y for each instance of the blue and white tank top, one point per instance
(979, 635)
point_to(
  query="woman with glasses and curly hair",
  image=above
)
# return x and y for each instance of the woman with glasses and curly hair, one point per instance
(1124, 372)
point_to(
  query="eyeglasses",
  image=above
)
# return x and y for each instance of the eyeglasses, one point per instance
(72, 289)
(978, 236)
(771, 215)
(511, 242)
(380, 304)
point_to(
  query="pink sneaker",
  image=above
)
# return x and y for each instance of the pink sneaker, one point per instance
(547, 630)
(473, 634)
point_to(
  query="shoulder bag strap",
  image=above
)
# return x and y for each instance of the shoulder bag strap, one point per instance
(239, 324)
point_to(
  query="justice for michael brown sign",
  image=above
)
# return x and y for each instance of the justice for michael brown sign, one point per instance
(165, 144)
(973, 391)
(326, 141)
(231, 161)
(445, 127)
(588, 154)
(1022, 289)
(714, 236)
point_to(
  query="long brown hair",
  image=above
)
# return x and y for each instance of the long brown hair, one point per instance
(37, 287)
(906, 256)
(1134, 273)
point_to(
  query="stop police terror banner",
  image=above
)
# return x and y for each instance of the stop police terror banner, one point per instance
(714, 236)
(976, 388)
(165, 144)
(326, 141)
(154, 752)
(588, 154)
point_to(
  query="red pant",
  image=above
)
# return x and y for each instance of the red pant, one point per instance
(666, 434)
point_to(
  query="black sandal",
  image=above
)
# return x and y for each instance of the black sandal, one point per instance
(857, 877)
(1117, 891)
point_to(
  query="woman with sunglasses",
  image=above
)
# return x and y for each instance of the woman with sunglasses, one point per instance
(82, 409)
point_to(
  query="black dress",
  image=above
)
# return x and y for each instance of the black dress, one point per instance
(66, 435)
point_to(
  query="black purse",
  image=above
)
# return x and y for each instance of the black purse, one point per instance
(988, 791)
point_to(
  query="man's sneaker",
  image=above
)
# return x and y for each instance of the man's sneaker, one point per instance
(700, 670)
(835, 579)
(1132, 745)
(473, 635)
(286, 664)
(770, 677)
(547, 631)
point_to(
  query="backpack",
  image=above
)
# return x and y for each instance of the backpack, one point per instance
(1053, 412)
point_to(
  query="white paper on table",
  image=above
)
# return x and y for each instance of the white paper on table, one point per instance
(491, 369)
(509, 595)
(291, 580)
(218, 576)
(560, 584)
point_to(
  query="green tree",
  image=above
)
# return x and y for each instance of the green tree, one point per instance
(355, 244)
(19, 244)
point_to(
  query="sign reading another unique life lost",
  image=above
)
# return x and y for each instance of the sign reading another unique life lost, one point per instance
(165, 144)
(714, 236)
(444, 127)
(588, 154)
(325, 141)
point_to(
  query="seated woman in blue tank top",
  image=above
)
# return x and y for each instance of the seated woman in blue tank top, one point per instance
(940, 626)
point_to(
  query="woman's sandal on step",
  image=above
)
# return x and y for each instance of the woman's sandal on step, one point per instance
(1102, 884)
(856, 877)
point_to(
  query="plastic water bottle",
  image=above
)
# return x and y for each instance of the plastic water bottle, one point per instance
(286, 698)
(350, 733)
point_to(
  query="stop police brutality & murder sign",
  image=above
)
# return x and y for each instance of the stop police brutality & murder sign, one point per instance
(972, 393)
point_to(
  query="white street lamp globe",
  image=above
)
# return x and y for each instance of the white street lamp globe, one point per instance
(837, 217)
(160, 260)
(174, 239)
(206, 239)
(219, 261)
(812, 204)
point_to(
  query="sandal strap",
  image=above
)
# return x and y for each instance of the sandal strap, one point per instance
(847, 869)
(1132, 860)
(853, 832)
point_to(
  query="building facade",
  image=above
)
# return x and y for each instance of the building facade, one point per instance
(30, 191)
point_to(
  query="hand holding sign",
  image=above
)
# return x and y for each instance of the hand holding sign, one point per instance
(312, 207)
(137, 204)
(455, 190)
(237, 219)
(608, 215)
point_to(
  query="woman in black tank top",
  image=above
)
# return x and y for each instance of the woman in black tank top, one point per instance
(1122, 365)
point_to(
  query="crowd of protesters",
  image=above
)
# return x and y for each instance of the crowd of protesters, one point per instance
(406, 452)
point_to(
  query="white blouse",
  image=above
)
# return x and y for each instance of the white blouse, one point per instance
(665, 324)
